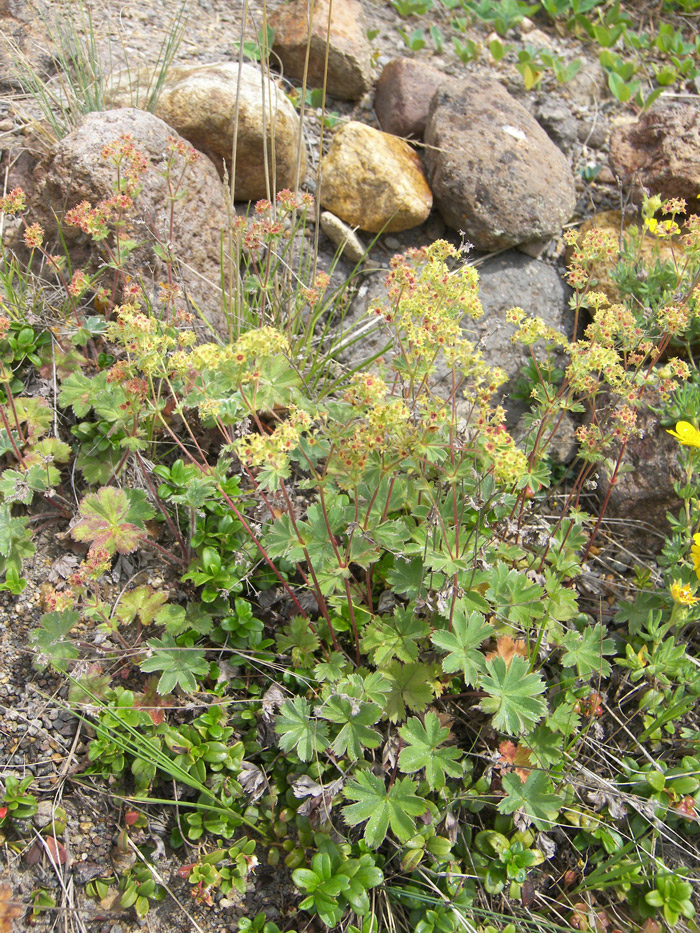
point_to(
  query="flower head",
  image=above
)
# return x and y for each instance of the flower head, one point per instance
(687, 434)
(695, 554)
(682, 593)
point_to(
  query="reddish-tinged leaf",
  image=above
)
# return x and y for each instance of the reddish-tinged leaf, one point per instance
(506, 647)
(3, 813)
(516, 757)
(185, 870)
(131, 817)
(57, 851)
(152, 702)
(113, 519)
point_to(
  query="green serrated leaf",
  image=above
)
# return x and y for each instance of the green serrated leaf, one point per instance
(51, 640)
(534, 797)
(299, 731)
(396, 637)
(585, 650)
(382, 808)
(423, 751)
(513, 697)
(356, 719)
(468, 633)
(143, 601)
(410, 687)
(180, 666)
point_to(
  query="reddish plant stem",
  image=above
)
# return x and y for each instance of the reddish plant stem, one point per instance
(164, 512)
(204, 467)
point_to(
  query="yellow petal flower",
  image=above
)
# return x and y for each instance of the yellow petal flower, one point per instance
(695, 554)
(688, 435)
(683, 594)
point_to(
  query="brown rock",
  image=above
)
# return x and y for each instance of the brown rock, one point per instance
(374, 181)
(203, 102)
(76, 171)
(349, 64)
(661, 151)
(640, 498)
(403, 95)
(494, 172)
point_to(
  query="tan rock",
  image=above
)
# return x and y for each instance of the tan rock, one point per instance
(203, 102)
(348, 243)
(374, 181)
(349, 63)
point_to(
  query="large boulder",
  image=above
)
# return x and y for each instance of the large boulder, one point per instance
(23, 44)
(349, 63)
(205, 103)
(77, 171)
(494, 172)
(374, 181)
(660, 151)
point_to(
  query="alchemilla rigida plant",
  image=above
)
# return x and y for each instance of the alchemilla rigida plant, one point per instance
(374, 665)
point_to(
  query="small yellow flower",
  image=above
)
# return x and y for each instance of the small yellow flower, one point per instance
(682, 592)
(695, 554)
(688, 435)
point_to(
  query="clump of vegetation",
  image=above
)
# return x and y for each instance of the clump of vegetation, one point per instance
(374, 662)
(640, 59)
(427, 724)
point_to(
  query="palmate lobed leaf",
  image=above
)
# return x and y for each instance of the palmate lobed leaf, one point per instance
(423, 751)
(585, 650)
(534, 797)
(410, 687)
(462, 643)
(356, 719)
(513, 695)
(382, 808)
(299, 731)
(180, 665)
(113, 519)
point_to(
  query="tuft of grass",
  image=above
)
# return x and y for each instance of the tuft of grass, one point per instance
(83, 70)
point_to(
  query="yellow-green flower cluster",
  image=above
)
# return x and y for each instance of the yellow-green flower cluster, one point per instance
(147, 342)
(591, 364)
(273, 450)
(509, 462)
(532, 329)
(430, 300)
(614, 326)
(674, 319)
(365, 389)
(237, 360)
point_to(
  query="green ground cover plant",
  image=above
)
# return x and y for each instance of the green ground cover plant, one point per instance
(432, 695)
(376, 667)
(640, 59)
